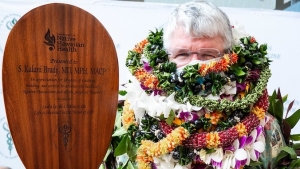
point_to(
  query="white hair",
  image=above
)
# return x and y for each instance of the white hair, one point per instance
(199, 19)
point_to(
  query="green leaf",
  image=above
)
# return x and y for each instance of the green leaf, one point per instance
(171, 117)
(124, 161)
(236, 49)
(102, 166)
(129, 165)
(120, 131)
(161, 117)
(263, 49)
(278, 108)
(245, 40)
(294, 118)
(280, 156)
(118, 121)
(296, 146)
(239, 72)
(295, 164)
(290, 151)
(210, 151)
(122, 147)
(295, 137)
(284, 98)
(273, 96)
(255, 163)
(131, 151)
(122, 92)
(257, 62)
(254, 45)
(272, 99)
(271, 106)
(107, 153)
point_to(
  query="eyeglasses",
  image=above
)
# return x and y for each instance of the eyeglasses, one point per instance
(184, 56)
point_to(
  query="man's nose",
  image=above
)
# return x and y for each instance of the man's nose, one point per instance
(194, 56)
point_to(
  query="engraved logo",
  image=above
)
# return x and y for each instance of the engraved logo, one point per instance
(50, 40)
(64, 137)
(63, 42)
(65, 131)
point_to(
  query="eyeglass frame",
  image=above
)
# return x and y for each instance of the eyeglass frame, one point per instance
(190, 53)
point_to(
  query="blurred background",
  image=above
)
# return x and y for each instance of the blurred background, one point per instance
(275, 22)
(287, 5)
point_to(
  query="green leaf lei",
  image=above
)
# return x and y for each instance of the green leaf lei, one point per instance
(251, 57)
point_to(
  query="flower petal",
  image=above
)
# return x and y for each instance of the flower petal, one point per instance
(254, 134)
(229, 148)
(259, 130)
(242, 141)
(240, 154)
(194, 117)
(206, 158)
(230, 89)
(240, 87)
(227, 160)
(217, 156)
(236, 144)
(253, 155)
(248, 158)
(237, 164)
(259, 146)
(147, 67)
(249, 140)
(211, 97)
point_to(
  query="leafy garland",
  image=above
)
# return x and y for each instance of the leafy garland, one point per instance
(227, 105)
(149, 63)
(194, 83)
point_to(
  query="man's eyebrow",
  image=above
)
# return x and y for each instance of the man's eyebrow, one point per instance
(181, 50)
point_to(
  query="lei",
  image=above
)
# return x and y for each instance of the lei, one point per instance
(209, 114)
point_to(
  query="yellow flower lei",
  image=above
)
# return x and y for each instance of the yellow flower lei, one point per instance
(149, 149)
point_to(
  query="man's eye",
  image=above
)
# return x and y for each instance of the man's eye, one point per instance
(182, 55)
(208, 56)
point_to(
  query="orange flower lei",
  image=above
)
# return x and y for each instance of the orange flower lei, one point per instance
(128, 116)
(219, 66)
(146, 79)
(149, 149)
(241, 128)
(212, 140)
(259, 112)
(214, 117)
(140, 46)
(217, 139)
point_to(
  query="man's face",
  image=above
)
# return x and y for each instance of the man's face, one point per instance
(184, 48)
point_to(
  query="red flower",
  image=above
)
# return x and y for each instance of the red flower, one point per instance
(252, 40)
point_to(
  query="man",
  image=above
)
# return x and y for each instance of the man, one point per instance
(198, 32)
(195, 101)
(194, 28)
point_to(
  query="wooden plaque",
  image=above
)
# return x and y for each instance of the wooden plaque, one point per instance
(60, 84)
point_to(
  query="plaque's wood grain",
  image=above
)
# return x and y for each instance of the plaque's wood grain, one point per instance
(60, 84)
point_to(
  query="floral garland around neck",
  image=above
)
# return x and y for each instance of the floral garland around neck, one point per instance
(209, 114)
